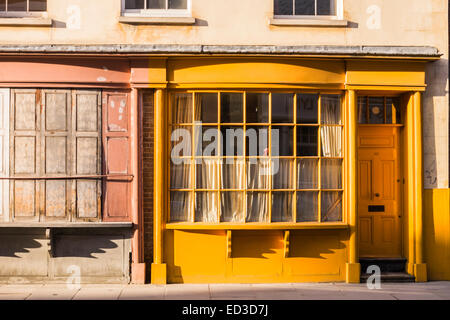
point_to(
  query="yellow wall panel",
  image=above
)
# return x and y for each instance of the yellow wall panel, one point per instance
(437, 233)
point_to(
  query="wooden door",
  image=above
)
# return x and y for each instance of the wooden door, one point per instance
(379, 180)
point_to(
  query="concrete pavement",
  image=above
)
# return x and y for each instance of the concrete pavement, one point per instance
(287, 291)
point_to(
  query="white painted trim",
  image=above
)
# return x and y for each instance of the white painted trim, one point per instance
(4, 153)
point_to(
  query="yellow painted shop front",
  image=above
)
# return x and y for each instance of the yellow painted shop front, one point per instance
(346, 175)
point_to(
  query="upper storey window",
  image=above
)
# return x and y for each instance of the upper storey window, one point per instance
(307, 8)
(157, 7)
(22, 7)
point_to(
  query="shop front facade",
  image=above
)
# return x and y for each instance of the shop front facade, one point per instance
(181, 149)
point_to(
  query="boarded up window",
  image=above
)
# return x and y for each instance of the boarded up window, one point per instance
(55, 134)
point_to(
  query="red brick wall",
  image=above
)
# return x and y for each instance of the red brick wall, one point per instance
(147, 99)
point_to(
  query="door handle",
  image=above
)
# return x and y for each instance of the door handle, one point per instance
(377, 195)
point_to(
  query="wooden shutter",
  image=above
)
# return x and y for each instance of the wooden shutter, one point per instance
(86, 123)
(116, 148)
(55, 134)
(24, 155)
(4, 154)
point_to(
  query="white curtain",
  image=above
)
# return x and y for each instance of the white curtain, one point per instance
(331, 206)
(331, 109)
(258, 174)
(307, 174)
(257, 207)
(232, 207)
(307, 206)
(206, 203)
(180, 206)
(182, 108)
(331, 174)
(331, 141)
(232, 176)
(284, 178)
(282, 206)
(180, 175)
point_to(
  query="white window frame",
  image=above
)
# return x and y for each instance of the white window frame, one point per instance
(157, 12)
(339, 13)
(24, 14)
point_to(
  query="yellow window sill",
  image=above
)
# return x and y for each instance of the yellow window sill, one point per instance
(158, 20)
(255, 226)
(26, 22)
(308, 22)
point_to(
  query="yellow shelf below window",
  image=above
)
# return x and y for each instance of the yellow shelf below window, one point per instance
(255, 226)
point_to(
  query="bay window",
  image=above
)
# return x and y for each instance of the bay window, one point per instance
(255, 157)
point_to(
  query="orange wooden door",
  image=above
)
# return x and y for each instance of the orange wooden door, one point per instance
(379, 205)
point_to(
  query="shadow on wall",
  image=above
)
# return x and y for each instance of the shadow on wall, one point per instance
(84, 246)
(12, 245)
(435, 125)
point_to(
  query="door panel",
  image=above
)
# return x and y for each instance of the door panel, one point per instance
(379, 191)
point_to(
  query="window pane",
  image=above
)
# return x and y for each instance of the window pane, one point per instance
(283, 7)
(231, 105)
(180, 174)
(134, 4)
(307, 174)
(257, 207)
(257, 141)
(282, 108)
(376, 110)
(331, 205)
(181, 141)
(257, 107)
(207, 174)
(283, 141)
(233, 141)
(283, 177)
(393, 111)
(331, 174)
(177, 4)
(326, 7)
(38, 5)
(258, 173)
(232, 207)
(362, 110)
(206, 141)
(305, 7)
(17, 5)
(331, 141)
(180, 206)
(307, 141)
(206, 107)
(2, 5)
(182, 108)
(206, 207)
(307, 206)
(331, 109)
(156, 4)
(308, 106)
(282, 206)
(232, 175)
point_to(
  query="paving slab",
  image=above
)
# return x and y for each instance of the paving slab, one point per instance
(145, 292)
(98, 293)
(187, 292)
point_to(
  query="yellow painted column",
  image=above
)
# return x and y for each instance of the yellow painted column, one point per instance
(353, 268)
(411, 187)
(159, 269)
(420, 268)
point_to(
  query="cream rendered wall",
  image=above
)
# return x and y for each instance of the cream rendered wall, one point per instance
(246, 22)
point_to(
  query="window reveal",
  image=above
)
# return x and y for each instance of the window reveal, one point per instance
(248, 177)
